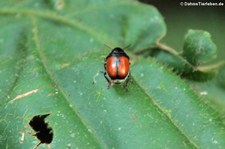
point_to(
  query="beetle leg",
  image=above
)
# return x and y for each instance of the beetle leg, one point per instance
(126, 85)
(126, 82)
(108, 80)
(105, 65)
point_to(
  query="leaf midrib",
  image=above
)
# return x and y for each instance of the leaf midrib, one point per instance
(76, 24)
(54, 83)
(165, 113)
(153, 101)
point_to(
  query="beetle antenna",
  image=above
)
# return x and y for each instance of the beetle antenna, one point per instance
(108, 46)
(127, 46)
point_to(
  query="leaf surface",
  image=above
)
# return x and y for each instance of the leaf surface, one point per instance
(50, 55)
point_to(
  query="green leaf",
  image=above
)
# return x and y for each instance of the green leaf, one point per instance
(199, 47)
(213, 93)
(51, 57)
(187, 111)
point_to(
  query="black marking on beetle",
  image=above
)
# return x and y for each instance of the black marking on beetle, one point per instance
(43, 132)
(117, 68)
(116, 52)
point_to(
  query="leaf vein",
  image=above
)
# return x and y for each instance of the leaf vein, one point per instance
(98, 35)
(51, 77)
(165, 113)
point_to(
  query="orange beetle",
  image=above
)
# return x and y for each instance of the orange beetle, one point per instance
(117, 67)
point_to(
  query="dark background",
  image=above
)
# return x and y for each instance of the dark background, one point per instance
(181, 18)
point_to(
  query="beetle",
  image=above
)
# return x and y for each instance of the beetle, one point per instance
(117, 67)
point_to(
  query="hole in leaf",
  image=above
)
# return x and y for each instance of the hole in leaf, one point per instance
(43, 132)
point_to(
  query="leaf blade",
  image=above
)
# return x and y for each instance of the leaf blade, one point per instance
(86, 115)
(182, 107)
